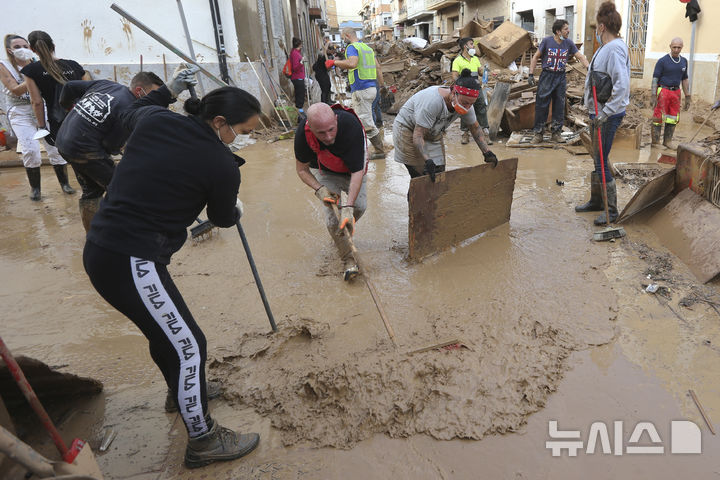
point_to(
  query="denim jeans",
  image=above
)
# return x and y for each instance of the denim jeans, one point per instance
(376, 113)
(551, 87)
(607, 133)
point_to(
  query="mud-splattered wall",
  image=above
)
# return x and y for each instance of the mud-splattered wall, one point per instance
(110, 47)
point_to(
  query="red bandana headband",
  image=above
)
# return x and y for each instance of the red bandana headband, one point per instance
(469, 92)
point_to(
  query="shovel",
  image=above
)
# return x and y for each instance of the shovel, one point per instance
(79, 454)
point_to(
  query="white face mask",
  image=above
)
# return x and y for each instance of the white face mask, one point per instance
(471, 52)
(235, 138)
(23, 54)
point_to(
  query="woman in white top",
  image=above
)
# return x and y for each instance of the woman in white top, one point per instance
(21, 118)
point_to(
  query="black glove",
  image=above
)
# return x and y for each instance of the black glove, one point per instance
(490, 158)
(531, 80)
(430, 170)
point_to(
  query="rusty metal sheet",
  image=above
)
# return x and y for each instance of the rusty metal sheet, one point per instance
(460, 204)
(649, 194)
(688, 226)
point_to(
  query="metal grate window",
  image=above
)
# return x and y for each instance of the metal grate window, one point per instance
(637, 33)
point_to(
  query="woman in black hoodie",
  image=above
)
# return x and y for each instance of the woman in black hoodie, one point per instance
(173, 167)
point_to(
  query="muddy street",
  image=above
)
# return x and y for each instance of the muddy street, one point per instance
(553, 326)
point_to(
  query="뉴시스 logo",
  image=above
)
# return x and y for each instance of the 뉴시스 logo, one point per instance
(685, 437)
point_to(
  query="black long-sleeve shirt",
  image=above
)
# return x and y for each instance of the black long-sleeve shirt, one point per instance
(92, 129)
(172, 168)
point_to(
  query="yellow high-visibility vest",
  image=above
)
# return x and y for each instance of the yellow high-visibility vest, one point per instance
(366, 69)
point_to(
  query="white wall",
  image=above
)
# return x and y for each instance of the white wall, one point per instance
(91, 33)
(540, 6)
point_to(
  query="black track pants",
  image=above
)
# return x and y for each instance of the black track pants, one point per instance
(144, 292)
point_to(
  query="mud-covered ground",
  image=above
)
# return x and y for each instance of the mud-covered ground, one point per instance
(553, 327)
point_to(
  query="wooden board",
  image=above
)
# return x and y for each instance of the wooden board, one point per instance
(460, 204)
(649, 194)
(496, 109)
(688, 226)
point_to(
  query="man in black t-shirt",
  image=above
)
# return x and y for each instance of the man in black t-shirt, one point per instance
(332, 143)
(92, 132)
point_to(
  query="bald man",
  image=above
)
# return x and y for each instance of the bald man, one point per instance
(671, 71)
(330, 157)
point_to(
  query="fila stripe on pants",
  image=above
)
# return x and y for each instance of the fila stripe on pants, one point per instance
(144, 292)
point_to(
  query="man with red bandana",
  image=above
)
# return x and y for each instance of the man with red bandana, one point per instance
(331, 156)
(671, 72)
(419, 126)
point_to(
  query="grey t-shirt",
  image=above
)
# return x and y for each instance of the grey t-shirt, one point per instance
(427, 109)
(613, 59)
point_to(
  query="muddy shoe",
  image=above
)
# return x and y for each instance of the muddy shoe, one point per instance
(214, 390)
(351, 271)
(557, 137)
(218, 445)
(537, 138)
(465, 138)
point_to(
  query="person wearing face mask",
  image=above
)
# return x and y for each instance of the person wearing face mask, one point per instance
(555, 52)
(467, 59)
(174, 166)
(92, 132)
(612, 62)
(330, 157)
(420, 124)
(21, 118)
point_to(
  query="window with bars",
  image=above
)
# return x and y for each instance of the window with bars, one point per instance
(637, 35)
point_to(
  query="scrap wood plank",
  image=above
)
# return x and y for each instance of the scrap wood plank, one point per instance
(460, 204)
(496, 109)
(393, 66)
(688, 227)
(649, 194)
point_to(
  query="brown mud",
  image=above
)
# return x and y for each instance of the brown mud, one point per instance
(556, 327)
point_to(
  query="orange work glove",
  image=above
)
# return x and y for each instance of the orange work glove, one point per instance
(325, 195)
(347, 219)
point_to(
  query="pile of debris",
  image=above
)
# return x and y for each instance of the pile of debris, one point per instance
(410, 69)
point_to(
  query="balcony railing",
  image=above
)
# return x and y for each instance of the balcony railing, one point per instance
(439, 4)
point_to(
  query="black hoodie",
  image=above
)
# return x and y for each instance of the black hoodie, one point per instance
(174, 165)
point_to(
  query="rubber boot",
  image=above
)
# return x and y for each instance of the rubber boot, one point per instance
(350, 269)
(33, 175)
(379, 150)
(61, 174)
(465, 138)
(217, 445)
(668, 135)
(612, 204)
(213, 391)
(88, 208)
(655, 132)
(386, 146)
(595, 204)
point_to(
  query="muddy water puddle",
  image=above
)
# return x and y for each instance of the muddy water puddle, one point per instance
(528, 299)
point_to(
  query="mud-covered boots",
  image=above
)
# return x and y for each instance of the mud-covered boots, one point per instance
(612, 204)
(217, 445)
(88, 208)
(33, 175)
(668, 135)
(378, 148)
(386, 146)
(61, 174)
(595, 204)
(655, 131)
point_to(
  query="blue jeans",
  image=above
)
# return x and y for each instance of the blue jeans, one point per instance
(376, 113)
(607, 133)
(551, 87)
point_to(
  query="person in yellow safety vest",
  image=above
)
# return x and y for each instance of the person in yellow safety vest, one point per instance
(362, 75)
(467, 59)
